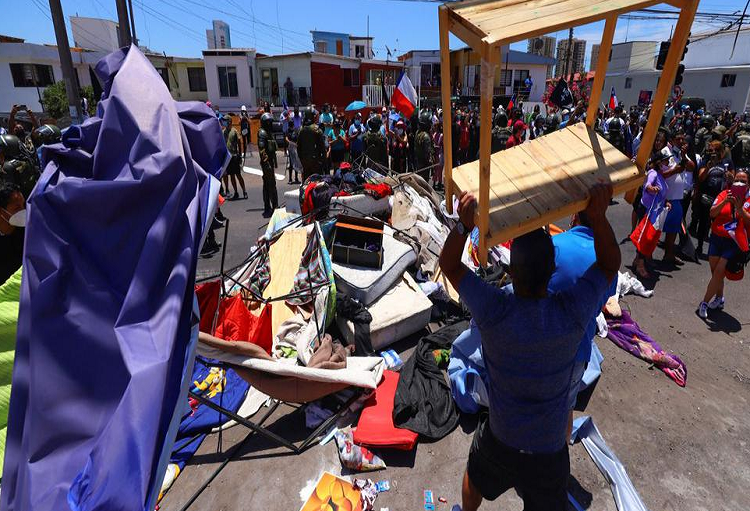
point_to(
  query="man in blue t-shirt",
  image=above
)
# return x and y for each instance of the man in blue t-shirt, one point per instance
(574, 254)
(529, 341)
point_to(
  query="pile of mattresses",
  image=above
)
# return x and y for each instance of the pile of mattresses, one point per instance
(413, 231)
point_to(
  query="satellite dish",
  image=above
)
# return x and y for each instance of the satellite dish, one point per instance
(538, 44)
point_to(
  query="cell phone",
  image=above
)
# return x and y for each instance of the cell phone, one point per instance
(22, 107)
(739, 190)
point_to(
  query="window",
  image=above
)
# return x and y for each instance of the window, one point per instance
(506, 76)
(197, 79)
(351, 77)
(321, 46)
(164, 72)
(378, 76)
(430, 75)
(339, 47)
(728, 80)
(359, 51)
(31, 75)
(520, 78)
(227, 81)
(628, 83)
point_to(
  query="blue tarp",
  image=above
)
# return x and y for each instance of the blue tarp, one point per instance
(107, 322)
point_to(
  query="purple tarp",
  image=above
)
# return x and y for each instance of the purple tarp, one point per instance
(106, 328)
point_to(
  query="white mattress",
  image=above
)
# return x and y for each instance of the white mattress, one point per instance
(364, 204)
(403, 310)
(369, 284)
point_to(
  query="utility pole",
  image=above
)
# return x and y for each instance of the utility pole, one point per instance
(122, 20)
(570, 51)
(132, 22)
(66, 62)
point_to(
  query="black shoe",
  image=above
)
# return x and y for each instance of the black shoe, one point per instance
(290, 182)
(235, 196)
(297, 181)
(220, 215)
(217, 224)
(244, 195)
(267, 214)
(210, 247)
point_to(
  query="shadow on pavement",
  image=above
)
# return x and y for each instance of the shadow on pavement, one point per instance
(720, 321)
(582, 495)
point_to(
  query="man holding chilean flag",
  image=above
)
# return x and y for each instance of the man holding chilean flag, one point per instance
(404, 96)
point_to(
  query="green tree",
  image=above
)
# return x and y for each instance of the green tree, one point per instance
(55, 99)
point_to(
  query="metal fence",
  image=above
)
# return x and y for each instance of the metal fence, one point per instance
(294, 96)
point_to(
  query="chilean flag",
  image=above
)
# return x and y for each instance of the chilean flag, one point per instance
(646, 235)
(511, 103)
(613, 99)
(404, 96)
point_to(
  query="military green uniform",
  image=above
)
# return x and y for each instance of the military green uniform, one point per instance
(21, 173)
(267, 152)
(423, 153)
(702, 136)
(376, 148)
(500, 136)
(741, 150)
(311, 150)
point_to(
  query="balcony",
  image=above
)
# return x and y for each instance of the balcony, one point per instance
(372, 95)
(297, 96)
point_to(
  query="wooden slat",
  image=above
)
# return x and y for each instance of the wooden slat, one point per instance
(490, 61)
(557, 170)
(284, 255)
(507, 21)
(621, 167)
(601, 70)
(467, 35)
(535, 184)
(445, 92)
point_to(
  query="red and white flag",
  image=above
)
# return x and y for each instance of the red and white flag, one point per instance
(613, 99)
(404, 97)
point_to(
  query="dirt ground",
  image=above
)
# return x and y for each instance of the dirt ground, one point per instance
(684, 448)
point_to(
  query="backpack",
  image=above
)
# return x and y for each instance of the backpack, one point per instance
(714, 183)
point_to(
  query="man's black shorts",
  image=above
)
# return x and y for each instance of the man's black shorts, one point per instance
(233, 169)
(540, 479)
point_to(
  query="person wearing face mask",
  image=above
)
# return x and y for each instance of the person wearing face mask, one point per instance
(399, 146)
(12, 221)
(356, 138)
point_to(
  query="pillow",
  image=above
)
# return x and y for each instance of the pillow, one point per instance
(375, 427)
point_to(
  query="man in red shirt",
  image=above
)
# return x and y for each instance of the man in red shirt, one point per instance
(519, 130)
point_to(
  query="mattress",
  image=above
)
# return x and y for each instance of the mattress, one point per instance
(368, 284)
(403, 310)
(362, 204)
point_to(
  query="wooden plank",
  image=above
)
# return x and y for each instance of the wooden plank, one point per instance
(601, 70)
(578, 157)
(445, 92)
(664, 89)
(489, 64)
(542, 192)
(621, 167)
(557, 170)
(284, 255)
(459, 28)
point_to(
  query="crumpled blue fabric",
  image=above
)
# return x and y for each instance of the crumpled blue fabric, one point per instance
(468, 376)
(107, 326)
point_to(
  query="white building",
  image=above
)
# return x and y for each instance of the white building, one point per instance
(95, 33)
(231, 78)
(544, 46)
(285, 78)
(26, 69)
(423, 68)
(360, 47)
(711, 73)
(218, 36)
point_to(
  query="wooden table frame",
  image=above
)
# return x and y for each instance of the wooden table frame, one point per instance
(524, 19)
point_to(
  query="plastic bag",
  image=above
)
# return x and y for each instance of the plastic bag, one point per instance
(355, 457)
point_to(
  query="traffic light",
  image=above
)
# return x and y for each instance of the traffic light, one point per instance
(662, 58)
(681, 67)
(678, 76)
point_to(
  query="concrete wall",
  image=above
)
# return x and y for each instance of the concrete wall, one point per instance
(635, 55)
(246, 93)
(296, 67)
(716, 50)
(95, 34)
(367, 43)
(27, 53)
(330, 38)
(704, 83)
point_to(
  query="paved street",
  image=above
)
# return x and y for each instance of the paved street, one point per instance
(684, 448)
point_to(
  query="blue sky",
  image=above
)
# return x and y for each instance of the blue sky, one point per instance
(272, 26)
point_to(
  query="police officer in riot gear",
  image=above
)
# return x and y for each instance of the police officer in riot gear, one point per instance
(423, 145)
(500, 131)
(311, 146)
(376, 148)
(267, 151)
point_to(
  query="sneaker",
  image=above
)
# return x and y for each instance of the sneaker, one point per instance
(267, 214)
(236, 196)
(703, 310)
(244, 195)
(716, 304)
(217, 224)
